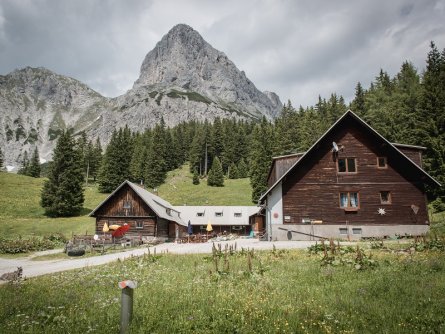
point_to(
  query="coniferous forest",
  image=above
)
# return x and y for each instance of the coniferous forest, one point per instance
(408, 108)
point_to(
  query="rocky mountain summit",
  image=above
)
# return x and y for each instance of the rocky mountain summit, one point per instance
(183, 78)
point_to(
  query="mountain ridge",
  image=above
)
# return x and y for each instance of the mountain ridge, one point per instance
(182, 78)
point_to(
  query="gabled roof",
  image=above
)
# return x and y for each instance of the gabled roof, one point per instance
(350, 114)
(157, 204)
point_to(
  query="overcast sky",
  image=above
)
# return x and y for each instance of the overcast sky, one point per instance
(296, 48)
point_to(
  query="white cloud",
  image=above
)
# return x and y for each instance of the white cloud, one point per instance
(297, 48)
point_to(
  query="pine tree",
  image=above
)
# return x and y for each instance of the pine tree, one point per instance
(216, 174)
(24, 169)
(115, 167)
(243, 170)
(1, 159)
(358, 105)
(260, 158)
(156, 168)
(96, 159)
(62, 194)
(196, 177)
(432, 116)
(34, 165)
(233, 171)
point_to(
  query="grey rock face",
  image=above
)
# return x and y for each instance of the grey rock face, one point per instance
(183, 78)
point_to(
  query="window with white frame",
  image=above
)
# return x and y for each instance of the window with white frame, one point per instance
(349, 200)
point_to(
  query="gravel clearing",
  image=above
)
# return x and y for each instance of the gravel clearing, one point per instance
(36, 268)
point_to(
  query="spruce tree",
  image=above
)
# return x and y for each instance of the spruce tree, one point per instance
(233, 171)
(216, 175)
(24, 169)
(62, 194)
(1, 159)
(260, 158)
(196, 177)
(115, 167)
(156, 167)
(243, 170)
(34, 165)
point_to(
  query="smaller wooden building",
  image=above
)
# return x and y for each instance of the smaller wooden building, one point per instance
(148, 215)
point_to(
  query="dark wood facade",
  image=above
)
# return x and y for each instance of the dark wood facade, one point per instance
(125, 206)
(281, 165)
(390, 189)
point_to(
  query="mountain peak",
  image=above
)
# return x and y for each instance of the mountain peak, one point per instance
(183, 59)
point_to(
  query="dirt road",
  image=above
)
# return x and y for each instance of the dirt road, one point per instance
(33, 268)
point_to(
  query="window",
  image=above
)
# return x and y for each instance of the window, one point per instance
(356, 230)
(127, 204)
(385, 197)
(218, 214)
(237, 214)
(349, 201)
(168, 211)
(139, 224)
(346, 165)
(381, 162)
(343, 230)
(200, 214)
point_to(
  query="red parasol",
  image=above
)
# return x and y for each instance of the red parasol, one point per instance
(121, 231)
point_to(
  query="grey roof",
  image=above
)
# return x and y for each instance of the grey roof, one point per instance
(160, 206)
(209, 214)
(349, 113)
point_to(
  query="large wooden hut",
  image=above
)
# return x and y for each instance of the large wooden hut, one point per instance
(352, 183)
(148, 215)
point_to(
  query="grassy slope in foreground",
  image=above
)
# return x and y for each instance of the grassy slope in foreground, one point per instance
(283, 292)
(21, 213)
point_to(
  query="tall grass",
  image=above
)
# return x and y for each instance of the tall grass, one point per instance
(278, 292)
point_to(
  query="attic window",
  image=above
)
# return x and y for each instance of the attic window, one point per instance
(237, 214)
(218, 214)
(385, 197)
(381, 162)
(346, 165)
(127, 205)
(200, 214)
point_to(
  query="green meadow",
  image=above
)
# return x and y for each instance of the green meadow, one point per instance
(241, 291)
(22, 215)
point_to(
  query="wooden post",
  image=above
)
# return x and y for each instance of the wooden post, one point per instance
(126, 305)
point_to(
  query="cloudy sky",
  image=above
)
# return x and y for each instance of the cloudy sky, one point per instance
(298, 48)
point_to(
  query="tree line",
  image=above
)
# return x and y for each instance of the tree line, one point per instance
(407, 108)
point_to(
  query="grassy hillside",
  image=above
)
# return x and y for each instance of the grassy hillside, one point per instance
(179, 190)
(21, 213)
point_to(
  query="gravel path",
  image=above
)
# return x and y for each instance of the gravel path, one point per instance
(33, 268)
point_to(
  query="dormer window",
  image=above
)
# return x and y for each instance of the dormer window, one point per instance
(237, 214)
(169, 211)
(346, 165)
(218, 214)
(200, 214)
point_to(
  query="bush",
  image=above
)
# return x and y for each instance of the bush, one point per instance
(20, 245)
